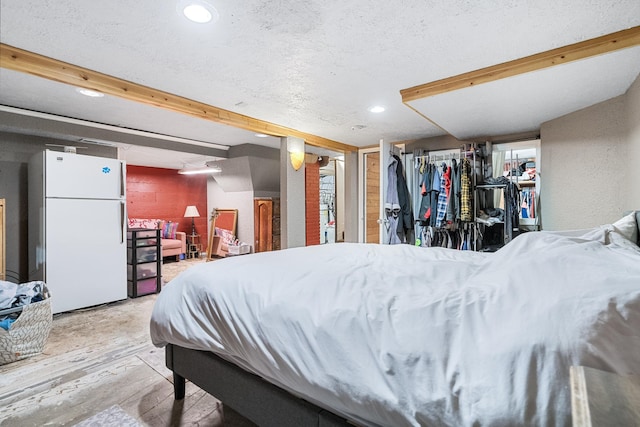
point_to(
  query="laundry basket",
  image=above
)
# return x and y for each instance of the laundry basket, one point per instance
(28, 335)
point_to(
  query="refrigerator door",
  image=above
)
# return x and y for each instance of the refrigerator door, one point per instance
(85, 177)
(85, 252)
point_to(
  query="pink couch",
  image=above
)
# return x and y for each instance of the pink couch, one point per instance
(169, 247)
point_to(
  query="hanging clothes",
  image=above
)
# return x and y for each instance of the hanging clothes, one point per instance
(392, 206)
(442, 198)
(435, 193)
(438, 220)
(453, 207)
(405, 218)
(427, 193)
(528, 203)
(511, 209)
(465, 192)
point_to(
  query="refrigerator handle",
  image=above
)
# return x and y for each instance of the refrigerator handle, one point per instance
(122, 220)
(122, 179)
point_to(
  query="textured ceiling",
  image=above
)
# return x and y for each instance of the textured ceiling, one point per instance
(314, 66)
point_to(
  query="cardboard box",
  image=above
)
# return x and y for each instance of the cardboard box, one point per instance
(240, 249)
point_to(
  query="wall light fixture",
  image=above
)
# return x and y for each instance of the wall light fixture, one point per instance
(296, 153)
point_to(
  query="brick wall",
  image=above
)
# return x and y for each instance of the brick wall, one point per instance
(165, 194)
(312, 203)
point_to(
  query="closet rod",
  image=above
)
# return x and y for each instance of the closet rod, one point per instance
(436, 157)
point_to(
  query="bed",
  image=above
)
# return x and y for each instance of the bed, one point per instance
(358, 334)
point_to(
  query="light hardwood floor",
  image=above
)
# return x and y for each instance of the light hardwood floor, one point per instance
(96, 358)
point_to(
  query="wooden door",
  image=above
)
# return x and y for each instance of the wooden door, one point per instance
(263, 225)
(372, 197)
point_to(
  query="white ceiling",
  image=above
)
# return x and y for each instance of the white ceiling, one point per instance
(316, 66)
(523, 102)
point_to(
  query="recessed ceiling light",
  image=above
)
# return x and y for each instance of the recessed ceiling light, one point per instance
(261, 135)
(89, 92)
(376, 109)
(198, 11)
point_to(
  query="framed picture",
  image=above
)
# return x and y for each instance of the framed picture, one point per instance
(223, 223)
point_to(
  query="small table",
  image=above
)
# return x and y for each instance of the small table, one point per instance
(194, 247)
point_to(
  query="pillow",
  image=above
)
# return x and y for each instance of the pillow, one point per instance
(169, 230)
(627, 227)
(142, 223)
(226, 236)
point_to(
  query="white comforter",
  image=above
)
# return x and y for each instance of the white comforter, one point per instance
(400, 335)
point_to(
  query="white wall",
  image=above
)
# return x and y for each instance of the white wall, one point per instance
(351, 196)
(240, 200)
(633, 118)
(588, 174)
(292, 198)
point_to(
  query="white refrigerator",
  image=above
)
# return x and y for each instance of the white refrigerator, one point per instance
(77, 228)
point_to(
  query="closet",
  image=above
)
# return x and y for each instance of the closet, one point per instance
(472, 198)
(443, 198)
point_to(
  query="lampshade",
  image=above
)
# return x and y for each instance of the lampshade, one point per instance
(295, 147)
(297, 159)
(191, 212)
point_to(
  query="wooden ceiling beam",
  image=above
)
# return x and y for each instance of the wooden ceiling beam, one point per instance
(573, 52)
(41, 66)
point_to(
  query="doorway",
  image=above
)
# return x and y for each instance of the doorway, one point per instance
(521, 162)
(328, 221)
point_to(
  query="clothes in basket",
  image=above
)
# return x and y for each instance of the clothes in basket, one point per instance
(25, 320)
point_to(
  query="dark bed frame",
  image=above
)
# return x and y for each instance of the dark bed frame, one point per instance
(251, 396)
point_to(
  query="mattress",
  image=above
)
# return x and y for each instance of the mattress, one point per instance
(408, 336)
